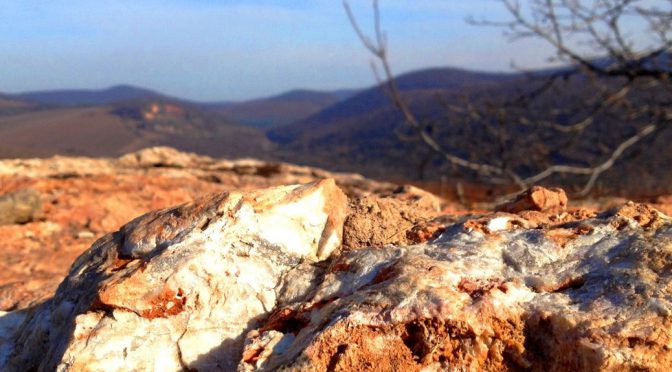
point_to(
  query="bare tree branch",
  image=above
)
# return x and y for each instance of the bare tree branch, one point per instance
(596, 171)
(624, 71)
(379, 51)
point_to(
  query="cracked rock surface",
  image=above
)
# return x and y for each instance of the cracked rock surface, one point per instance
(509, 295)
(259, 281)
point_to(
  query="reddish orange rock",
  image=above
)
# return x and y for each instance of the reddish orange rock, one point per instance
(537, 198)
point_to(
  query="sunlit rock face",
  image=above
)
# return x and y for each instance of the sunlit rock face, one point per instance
(259, 281)
(179, 288)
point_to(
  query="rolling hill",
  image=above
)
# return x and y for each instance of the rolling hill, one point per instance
(90, 97)
(267, 112)
(124, 118)
(281, 109)
(112, 130)
(359, 133)
(10, 105)
(346, 116)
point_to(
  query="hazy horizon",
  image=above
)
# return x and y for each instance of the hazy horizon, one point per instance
(210, 50)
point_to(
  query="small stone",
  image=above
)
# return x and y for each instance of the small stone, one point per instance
(85, 235)
(537, 198)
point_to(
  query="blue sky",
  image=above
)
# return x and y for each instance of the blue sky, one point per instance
(224, 50)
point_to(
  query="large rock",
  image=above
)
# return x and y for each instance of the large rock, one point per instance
(179, 288)
(583, 295)
(257, 281)
(82, 199)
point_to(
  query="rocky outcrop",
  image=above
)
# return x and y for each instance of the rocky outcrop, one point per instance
(179, 288)
(511, 297)
(258, 281)
(84, 198)
(167, 162)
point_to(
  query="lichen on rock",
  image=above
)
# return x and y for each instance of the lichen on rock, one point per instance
(20, 206)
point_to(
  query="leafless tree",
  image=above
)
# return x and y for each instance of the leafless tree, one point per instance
(623, 76)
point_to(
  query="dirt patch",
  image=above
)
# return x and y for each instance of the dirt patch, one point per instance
(374, 221)
(422, 344)
(645, 215)
(167, 303)
(361, 348)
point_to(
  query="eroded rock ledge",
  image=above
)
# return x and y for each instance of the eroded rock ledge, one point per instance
(258, 281)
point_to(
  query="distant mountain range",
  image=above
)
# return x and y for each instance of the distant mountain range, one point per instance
(345, 130)
(361, 113)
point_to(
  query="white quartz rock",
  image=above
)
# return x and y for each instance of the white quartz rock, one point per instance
(178, 288)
